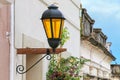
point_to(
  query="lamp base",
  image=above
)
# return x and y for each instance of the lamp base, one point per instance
(54, 43)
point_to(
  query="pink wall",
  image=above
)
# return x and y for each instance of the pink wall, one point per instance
(4, 42)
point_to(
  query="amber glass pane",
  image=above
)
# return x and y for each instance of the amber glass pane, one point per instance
(46, 23)
(61, 27)
(56, 27)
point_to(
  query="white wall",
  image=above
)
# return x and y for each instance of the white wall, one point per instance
(28, 23)
(100, 62)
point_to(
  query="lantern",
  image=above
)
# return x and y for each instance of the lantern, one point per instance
(53, 22)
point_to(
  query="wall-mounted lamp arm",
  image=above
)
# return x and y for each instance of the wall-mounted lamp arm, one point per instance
(20, 68)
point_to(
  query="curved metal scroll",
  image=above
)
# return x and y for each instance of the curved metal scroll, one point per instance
(21, 70)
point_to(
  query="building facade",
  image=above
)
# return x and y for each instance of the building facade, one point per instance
(29, 32)
(95, 48)
(21, 27)
(115, 72)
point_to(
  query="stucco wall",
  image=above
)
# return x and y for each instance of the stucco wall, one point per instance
(100, 62)
(28, 17)
(28, 23)
(4, 42)
(31, 59)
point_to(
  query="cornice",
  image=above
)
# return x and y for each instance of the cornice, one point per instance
(84, 13)
(99, 45)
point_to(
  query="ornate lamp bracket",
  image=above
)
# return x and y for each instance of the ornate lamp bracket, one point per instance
(21, 69)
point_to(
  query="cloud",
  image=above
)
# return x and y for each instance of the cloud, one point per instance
(103, 7)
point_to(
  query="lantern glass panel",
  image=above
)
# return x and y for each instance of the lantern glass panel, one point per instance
(62, 24)
(56, 23)
(47, 26)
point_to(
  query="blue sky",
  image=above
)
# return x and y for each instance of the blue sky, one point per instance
(106, 14)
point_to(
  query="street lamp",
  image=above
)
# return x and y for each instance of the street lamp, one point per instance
(53, 21)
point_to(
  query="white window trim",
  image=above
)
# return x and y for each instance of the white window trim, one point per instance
(12, 49)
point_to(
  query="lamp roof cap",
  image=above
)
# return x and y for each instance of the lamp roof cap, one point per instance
(52, 12)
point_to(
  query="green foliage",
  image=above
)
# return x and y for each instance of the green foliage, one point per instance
(65, 36)
(68, 69)
(65, 69)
